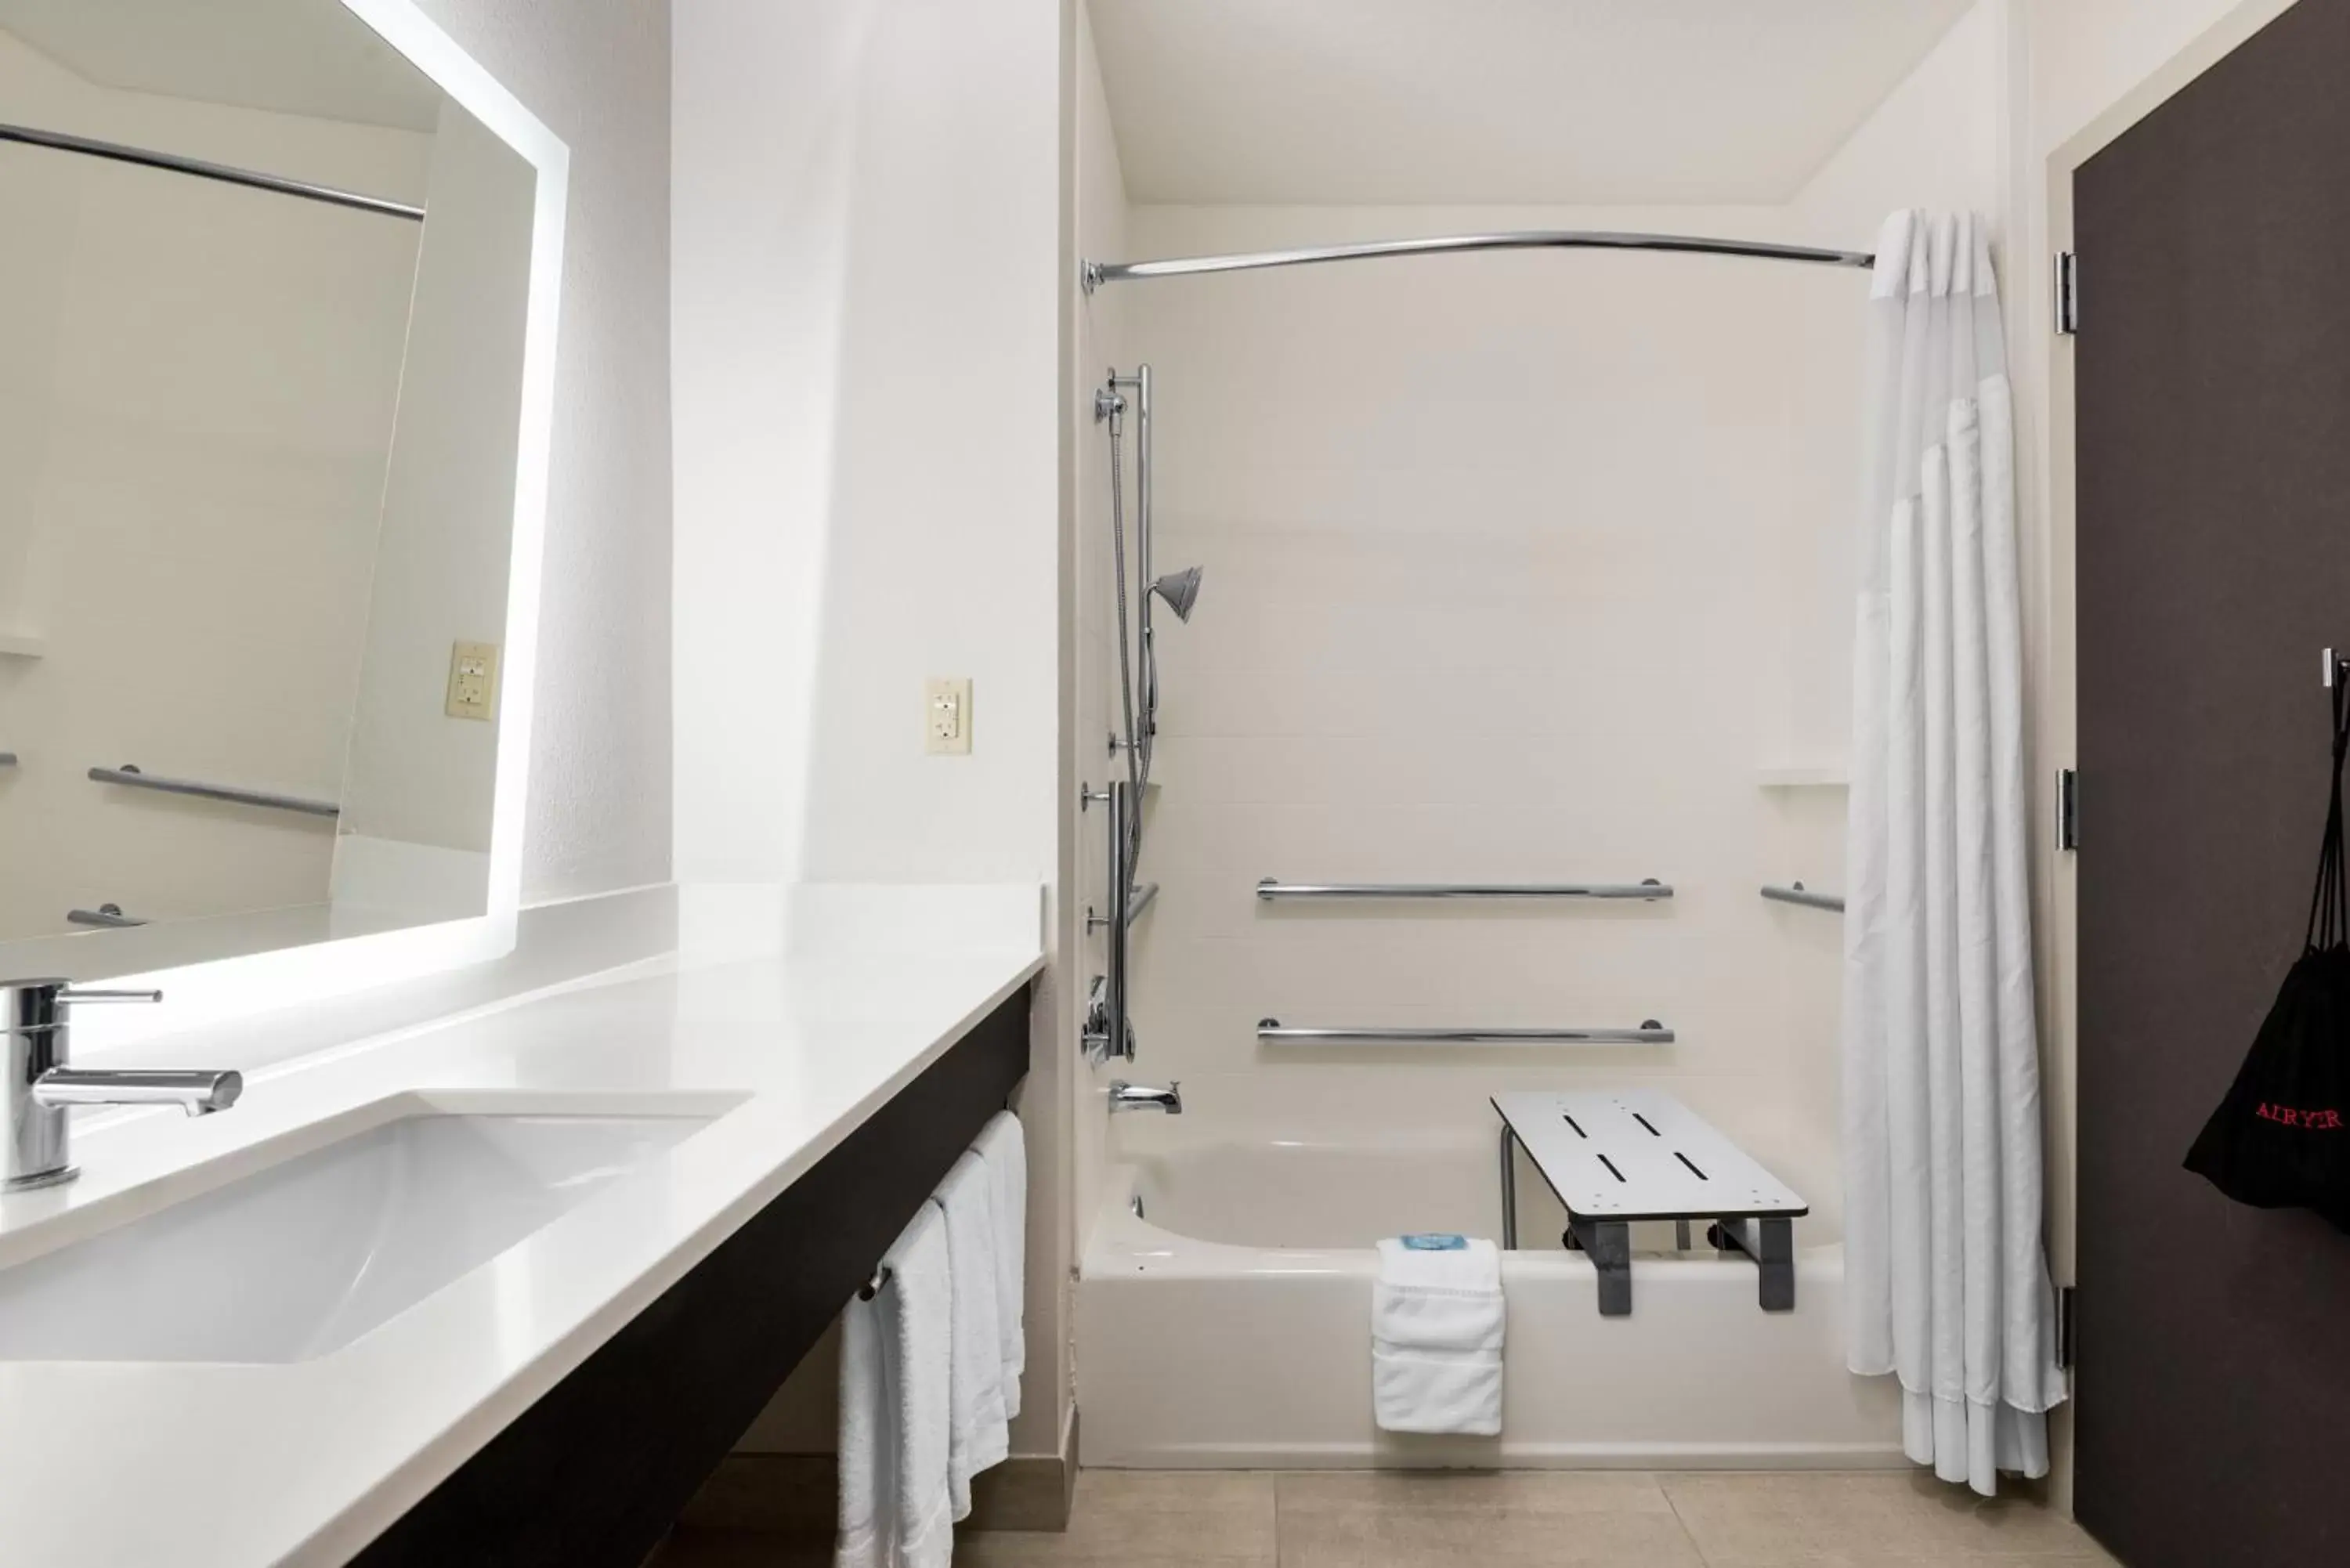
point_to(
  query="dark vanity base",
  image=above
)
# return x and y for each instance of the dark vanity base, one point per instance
(592, 1475)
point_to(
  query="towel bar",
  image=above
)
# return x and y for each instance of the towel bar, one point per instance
(872, 1287)
(1272, 888)
(1649, 1032)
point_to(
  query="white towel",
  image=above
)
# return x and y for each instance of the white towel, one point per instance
(1437, 1323)
(894, 1378)
(1004, 1147)
(977, 1433)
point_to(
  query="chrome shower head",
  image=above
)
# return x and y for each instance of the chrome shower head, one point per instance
(1180, 590)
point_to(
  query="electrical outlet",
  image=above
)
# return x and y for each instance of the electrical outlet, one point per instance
(472, 680)
(946, 716)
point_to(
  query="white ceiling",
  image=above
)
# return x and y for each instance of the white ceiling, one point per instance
(1502, 101)
(309, 58)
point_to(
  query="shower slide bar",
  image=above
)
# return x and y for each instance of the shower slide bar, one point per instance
(1650, 1032)
(1095, 274)
(226, 174)
(1799, 894)
(129, 777)
(1272, 887)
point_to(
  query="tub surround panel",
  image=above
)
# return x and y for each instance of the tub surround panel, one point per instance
(320, 1457)
(1481, 539)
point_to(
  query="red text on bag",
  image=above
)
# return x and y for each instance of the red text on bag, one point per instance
(2320, 1121)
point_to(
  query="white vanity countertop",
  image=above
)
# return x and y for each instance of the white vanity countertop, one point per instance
(135, 1465)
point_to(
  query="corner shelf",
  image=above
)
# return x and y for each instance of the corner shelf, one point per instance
(1804, 775)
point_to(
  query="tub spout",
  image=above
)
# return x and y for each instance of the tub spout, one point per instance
(1125, 1096)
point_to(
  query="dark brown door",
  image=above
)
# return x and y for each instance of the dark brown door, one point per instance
(2214, 566)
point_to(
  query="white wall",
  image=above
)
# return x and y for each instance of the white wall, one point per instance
(869, 298)
(597, 72)
(867, 353)
(198, 385)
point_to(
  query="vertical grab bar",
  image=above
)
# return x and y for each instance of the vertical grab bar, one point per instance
(1509, 1189)
(1121, 899)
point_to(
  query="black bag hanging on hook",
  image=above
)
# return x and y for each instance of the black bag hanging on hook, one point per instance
(2279, 1139)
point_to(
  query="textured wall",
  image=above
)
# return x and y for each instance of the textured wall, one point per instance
(597, 71)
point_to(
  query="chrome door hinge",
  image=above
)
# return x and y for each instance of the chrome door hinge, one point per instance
(2068, 809)
(2064, 1329)
(2068, 293)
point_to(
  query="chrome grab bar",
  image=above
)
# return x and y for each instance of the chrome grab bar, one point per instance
(1799, 894)
(130, 777)
(1143, 893)
(1649, 1032)
(1272, 887)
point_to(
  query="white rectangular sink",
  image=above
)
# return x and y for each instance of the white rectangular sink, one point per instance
(300, 1258)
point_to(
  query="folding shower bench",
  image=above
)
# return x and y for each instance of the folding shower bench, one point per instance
(1636, 1154)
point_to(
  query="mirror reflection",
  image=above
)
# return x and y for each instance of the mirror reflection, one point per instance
(261, 334)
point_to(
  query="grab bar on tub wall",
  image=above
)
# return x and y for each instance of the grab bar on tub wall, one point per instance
(1799, 894)
(106, 917)
(1272, 887)
(1144, 892)
(1649, 1032)
(130, 777)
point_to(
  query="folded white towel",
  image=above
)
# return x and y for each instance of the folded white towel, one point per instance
(1003, 1146)
(1438, 1318)
(977, 1433)
(894, 1382)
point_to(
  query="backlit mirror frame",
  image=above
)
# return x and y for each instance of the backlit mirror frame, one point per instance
(214, 991)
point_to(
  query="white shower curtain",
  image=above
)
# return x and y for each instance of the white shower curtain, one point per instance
(1946, 1283)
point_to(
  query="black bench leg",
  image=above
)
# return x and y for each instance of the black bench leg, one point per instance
(1773, 1252)
(1608, 1242)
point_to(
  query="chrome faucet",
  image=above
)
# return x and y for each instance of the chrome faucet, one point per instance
(39, 1086)
(1125, 1096)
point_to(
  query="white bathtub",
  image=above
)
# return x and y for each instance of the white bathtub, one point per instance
(1231, 1328)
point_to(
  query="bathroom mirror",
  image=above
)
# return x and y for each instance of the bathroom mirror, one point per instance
(276, 340)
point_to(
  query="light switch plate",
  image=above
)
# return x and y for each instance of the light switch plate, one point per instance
(472, 680)
(946, 716)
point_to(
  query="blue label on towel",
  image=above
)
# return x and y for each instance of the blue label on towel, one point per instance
(1437, 1242)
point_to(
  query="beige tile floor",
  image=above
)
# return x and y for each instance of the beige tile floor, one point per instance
(1134, 1519)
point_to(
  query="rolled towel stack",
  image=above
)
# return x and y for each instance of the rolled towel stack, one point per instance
(1436, 1322)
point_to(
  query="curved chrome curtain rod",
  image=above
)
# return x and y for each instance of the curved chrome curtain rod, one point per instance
(58, 141)
(1096, 273)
